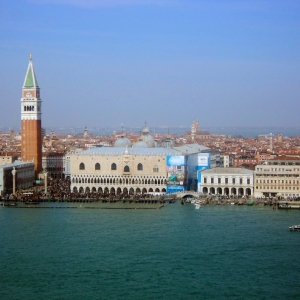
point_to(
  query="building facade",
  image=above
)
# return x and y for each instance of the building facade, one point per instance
(226, 181)
(24, 177)
(278, 178)
(7, 159)
(119, 170)
(31, 112)
(54, 164)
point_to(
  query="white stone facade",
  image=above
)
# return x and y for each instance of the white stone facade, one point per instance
(24, 176)
(277, 178)
(226, 181)
(118, 170)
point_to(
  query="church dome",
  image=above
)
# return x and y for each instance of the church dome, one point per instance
(145, 130)
(122, 142)
(147, 138)
(140, 144)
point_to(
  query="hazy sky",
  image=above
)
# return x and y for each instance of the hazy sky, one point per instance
(107, 62)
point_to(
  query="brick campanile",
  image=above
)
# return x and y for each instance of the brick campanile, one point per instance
(31, 104)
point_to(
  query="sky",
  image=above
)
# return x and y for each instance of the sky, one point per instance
(169, 62)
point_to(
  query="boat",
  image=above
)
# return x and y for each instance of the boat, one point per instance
(31, 202)
(10, 204)
(250, 203)
(294, 227)
(197, 206)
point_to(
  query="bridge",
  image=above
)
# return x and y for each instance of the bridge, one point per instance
(187, 194)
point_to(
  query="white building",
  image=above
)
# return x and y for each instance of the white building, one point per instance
(24, 176)
(277, 178)
(226, 181)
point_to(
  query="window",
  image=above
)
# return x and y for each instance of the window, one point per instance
(126, 169)
(241, 180)
(219, 180)
(155, 169)
(248, 181)
(233, 180)
(205, 180)
(212, 180)
(226, 180)
(97, 166)
(140, 167)
(82, 166)
(113, 166)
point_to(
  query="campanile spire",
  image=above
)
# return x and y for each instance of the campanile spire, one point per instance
(31, 115)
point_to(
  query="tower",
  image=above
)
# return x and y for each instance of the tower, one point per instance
(31, 149)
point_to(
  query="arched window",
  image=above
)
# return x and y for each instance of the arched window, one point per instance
(155, 169)
(113, 166)
(140, 167)
(97, 166)
(82, 166)
(126, 169)
(24, 108)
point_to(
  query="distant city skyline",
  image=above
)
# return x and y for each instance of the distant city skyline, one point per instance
(102, 63)
(246, 132)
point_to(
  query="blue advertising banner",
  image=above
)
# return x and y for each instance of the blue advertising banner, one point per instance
(175, 161)
(174, 189)
(176, 170)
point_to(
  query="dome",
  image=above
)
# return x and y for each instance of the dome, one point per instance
(145, 130)
(122, 142)
(148, 139)
(140, 144)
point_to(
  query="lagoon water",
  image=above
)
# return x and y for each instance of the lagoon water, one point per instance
(177, 252)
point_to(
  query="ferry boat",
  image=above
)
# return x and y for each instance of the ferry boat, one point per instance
(294, 227)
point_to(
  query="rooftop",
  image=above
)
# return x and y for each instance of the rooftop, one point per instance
(131, 151)
(227, 171)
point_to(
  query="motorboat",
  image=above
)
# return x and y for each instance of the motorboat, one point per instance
(10, 204)
(294, 227)
(197, 206)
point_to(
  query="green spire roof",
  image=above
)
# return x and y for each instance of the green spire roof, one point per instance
(30, 79)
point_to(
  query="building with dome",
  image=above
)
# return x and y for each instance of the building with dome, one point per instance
(122, 142)
(134, 168)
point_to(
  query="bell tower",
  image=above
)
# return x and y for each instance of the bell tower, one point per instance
(31, 147)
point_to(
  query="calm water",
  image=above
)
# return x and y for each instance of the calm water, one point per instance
(227, 252)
